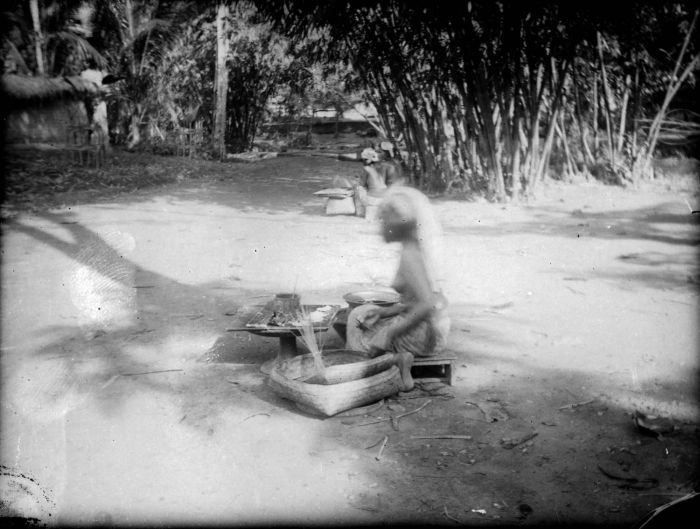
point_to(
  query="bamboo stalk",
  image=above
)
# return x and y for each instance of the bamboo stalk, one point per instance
(623, 115)
(671, 91)
(595, 116)
(606, 99)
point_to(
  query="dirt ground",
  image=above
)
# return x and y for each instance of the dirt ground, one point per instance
(125, 401)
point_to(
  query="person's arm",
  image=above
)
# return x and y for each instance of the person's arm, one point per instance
(372, 316)
(391, 310)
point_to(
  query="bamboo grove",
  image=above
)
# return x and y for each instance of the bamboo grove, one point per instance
(483, 96)
(493, 95)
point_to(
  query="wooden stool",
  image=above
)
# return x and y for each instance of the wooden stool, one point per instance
(440, 366)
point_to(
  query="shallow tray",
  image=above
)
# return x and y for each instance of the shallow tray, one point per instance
(376, 297)
(348, 386)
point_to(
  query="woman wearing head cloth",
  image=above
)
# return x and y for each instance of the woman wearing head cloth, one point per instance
(418, 325)
(370, 186)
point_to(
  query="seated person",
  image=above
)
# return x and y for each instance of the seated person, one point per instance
(389, 166)
(370, 185)
(418, 325)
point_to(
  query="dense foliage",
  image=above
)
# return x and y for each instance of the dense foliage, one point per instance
(482, 95)
(493, 93)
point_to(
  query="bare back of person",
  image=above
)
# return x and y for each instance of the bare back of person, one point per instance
(376, 182)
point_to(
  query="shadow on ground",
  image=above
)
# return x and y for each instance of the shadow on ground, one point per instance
(586, 463)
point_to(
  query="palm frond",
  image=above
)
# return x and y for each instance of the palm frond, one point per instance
(84, 49)
(14, 54)
(152, 25)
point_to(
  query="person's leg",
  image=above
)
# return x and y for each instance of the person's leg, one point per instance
(358, 337)
(360, 198)
(404, 361)
(418, 341)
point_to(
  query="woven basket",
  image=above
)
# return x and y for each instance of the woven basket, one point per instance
(342, 365)
(347, 386)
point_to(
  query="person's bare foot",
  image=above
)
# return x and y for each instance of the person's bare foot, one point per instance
(404, 361)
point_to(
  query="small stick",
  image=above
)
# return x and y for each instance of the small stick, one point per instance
(460, 476)
(254, 415)
(467, 437)
(142, 331)
(419, 408)
(394, 419)
(371, 422)
(483, 410)
(435, 396)
(111, 379)
(447, 515)
(662, 494)
(149, 372)
(373, 444)
(381, 448)
(576, 404)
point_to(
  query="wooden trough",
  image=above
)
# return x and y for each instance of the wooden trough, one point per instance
(351, 380)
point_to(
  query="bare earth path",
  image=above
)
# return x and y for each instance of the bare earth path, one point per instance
(588, 296)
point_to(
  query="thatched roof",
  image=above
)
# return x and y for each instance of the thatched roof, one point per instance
(28, 88)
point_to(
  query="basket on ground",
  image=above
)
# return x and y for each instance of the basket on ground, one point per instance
(351, 380)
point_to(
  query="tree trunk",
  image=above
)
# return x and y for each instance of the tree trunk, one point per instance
(221, 85)
(595, 116)
(674, 84)
(134, 129)
(585, 149)
(607, 98)
(38, 37)
(623, 115)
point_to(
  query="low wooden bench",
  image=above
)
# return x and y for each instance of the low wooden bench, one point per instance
(436, 368)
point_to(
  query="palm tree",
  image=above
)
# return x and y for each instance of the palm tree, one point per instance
(51, 36)
(135, 35)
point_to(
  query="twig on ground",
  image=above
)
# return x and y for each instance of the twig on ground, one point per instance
(394, 420)
(661, 494)
(467, 437)
(255, 415)
(149, 372)
(419, 408)
(381, 448)
(372, 422)
(362, 410)
(576, 405)
(509, 443)
(374, 444)
(111, 379)
(365, 508)
(490, 417)
(460, 476)
(142, 331)
(434, 396)
(447, 515)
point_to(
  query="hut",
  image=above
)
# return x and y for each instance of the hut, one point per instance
(41, 109)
